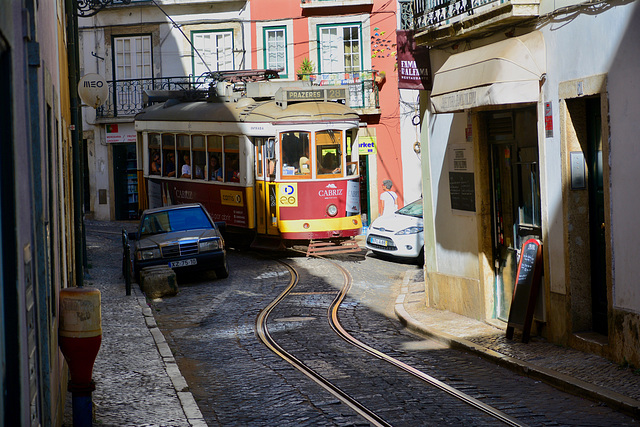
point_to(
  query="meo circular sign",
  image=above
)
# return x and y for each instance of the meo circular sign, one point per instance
(93, 90)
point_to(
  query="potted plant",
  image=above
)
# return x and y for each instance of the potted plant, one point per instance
(380, 77)
(306, 68)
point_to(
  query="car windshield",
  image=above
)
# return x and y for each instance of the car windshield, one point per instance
(174, 220)
(412, 209)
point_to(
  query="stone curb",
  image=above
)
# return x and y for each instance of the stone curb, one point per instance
(557, 379)
(188, 403)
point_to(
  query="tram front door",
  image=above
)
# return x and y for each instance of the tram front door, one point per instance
(265, 188)
(516, 196)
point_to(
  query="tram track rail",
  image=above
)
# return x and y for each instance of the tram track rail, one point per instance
(334, 322)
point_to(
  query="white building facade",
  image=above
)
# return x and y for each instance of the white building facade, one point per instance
(530, 133)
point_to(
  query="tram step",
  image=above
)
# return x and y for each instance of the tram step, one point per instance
(326, 248)
(268, 243)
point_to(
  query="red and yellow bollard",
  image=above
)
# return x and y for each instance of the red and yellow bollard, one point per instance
(80, 336)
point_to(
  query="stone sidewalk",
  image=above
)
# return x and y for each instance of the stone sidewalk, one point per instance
(570, 370)
(138, 382)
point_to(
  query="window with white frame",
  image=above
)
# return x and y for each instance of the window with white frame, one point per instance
(215, 48)
(132, 61)
(340, 48)
(275, 49)
(132, 57)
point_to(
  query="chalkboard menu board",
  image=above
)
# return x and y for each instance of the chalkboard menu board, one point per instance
(462, 190)
(525, 292)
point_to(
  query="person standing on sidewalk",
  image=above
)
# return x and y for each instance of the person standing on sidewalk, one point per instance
(388, 199)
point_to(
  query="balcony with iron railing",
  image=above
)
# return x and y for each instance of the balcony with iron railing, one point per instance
(445, 21)
(125, 98)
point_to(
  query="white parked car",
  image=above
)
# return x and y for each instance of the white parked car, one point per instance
(400, 234)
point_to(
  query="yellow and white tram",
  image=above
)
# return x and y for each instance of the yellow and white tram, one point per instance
(281, 163)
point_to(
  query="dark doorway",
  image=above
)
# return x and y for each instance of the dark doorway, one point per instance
(515, 183)
(125, 181)
(596, 217)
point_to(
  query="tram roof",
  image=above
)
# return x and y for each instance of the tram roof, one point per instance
(246, 110)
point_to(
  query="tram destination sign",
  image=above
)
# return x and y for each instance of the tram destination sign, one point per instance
(331, 93)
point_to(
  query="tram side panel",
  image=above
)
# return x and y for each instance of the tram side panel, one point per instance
(232, 204)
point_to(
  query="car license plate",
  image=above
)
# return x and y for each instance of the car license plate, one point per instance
(183, 262)
(376, 241)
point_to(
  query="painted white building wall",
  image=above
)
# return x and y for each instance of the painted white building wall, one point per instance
(577, 46)
(580, 46)
(456, 235)
(409, 135)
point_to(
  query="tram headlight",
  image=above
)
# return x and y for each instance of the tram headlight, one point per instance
(148, 253)
(332, 210)
(207, 245)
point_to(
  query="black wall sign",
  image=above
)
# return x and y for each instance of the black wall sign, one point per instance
(462, 191)
(526, 290)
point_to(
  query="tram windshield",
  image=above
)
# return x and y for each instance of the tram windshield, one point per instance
(302, 157)
(296, 154)
(329, 152)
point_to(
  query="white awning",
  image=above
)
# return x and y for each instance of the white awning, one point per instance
(507, 72)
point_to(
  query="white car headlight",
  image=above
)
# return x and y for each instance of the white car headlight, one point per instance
(147, 253)
(210, 245)
(410, 230)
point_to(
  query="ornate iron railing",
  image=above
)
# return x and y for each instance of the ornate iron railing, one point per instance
(406, 14)
(363, 88)
(125, 96)
(429, 13)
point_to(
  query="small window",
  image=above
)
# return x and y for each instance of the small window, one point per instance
(296, 158)
(184, 156)
(199, 156)
(275, 40)
(214, 151)
(169, 153)
(155, 159)
(329, 153)
(259, 157)
(231, 159)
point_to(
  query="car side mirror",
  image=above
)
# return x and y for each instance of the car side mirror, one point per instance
(221, 225)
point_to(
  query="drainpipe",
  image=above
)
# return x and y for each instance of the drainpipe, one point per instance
(76, 141)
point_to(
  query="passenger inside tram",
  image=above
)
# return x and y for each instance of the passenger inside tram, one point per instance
(215, 168)
(155, 163)
(186, 166)
(232, 171)
(170, 164)
(329, 164)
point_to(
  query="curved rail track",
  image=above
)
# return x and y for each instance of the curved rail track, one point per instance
(368, 414)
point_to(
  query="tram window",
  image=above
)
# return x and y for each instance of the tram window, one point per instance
(329, 152)
(169, 151)
(184, 156)
(214, 151)
(260, 147)
(231, 159)
(296, 154)
(199, 156)
(155, 163)
(352, 153)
